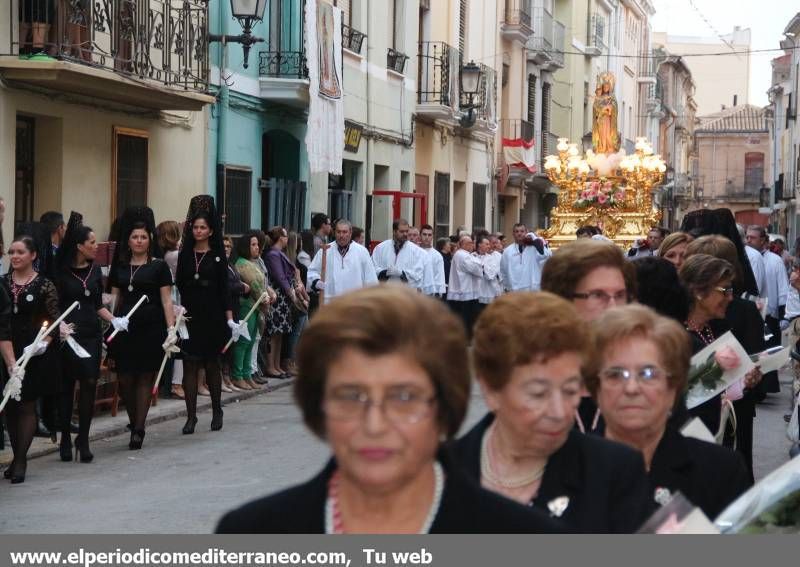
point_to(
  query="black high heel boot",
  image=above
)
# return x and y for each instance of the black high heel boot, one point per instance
(137, 438)
(188, 429)
(65, 449)
(216, 421)
(82, 447)
(18, 476)
(9, 471)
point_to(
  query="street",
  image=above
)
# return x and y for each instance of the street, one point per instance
(183, 484)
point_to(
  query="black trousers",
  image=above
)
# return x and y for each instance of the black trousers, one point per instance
(769, 383)
(468, 311)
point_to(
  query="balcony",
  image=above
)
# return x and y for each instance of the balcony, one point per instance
(540, 46)
(437, 80)
(558, 46)
(596, 35)
(516, 129)
(517, 21)
(396, 61)
(150, 54)
(282, 66)
(352, 39)
(648, 68)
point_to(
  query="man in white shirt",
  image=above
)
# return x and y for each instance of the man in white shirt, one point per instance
(348, 265)
(438, 285)
(398, 260)
(463, 288)
(650, 246)
(777, 291)
(756, 263)
(521, 266)
(427, 274)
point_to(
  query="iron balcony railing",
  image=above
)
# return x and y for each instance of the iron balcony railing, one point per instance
(543, 30)
(159, 41)
(518, 13)
(597, 32)
(352, 39)
(396, 61)
(549, 143)
(283, 64)
(558, 43)
(437, 73)
(515, 129)
(485, 100)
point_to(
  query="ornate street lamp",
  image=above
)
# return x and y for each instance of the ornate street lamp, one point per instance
(247, 12)
(471, 75)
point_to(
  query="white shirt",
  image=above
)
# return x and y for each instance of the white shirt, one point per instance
(437, 285)
(345, 273)
(410, 260)
(792, 304)
(427, 273)
(466, 272)
(522, 271)
(757, 264)
(777, 282)
(489, 286)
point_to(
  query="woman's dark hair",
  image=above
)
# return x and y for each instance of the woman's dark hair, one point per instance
(243, 244)
(660, 288)
(307, 242)
(275, 233)
(29, 242)
(125, 253)
(440, 243)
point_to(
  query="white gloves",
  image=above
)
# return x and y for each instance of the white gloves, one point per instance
(394, 272)
(120, 323)
(319, 284)
(35, 349)
(172, 340)
(238, 330)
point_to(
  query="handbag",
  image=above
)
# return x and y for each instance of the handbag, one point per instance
(793, 429)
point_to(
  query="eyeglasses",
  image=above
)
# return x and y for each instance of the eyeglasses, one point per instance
(403, 405)
(725, 290)
(649, 376)
(599, 297)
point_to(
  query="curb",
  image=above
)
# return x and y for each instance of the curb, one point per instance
(115, 431)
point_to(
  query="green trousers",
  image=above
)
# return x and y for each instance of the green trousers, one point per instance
(243, 349)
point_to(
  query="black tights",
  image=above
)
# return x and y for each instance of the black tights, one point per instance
(191, 371)
(136, 390)
(86, 397)
(21, 421)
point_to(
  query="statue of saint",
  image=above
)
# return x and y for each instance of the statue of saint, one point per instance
(605, 136)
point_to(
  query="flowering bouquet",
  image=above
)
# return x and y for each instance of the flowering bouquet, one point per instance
(600, 193)
(715, 368)
(771, 506)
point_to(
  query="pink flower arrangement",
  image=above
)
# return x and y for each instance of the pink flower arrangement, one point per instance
(600, 193)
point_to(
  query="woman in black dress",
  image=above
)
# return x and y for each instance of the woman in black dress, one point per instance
(34, 301)
(202, 280)
(79, 279)
(137, 351)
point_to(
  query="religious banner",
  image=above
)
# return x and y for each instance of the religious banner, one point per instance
(325, 136)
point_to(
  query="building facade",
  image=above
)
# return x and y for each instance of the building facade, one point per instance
(103, 114)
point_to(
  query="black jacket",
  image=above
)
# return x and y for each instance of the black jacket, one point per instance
(465, 508)
(710, 476)
(604, 481)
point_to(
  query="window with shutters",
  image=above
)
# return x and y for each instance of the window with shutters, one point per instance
(532, 99)
(753, 172)
(462, 27)
(442, 204)
(478, 206)
(234, 193)
(396, 20)
(545, 107)
(130, 160)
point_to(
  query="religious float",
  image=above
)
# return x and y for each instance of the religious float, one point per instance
(607, 187)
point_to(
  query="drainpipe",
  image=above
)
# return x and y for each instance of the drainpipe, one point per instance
(370, 140)
(222, 98)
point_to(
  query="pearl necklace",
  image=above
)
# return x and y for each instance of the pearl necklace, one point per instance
(488, 473)
(333, 515)
(704, 333)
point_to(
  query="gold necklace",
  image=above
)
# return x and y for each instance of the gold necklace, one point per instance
(489, 474)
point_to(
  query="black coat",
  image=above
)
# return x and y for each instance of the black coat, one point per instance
(605, 481)
(710, 476)
(465, 508)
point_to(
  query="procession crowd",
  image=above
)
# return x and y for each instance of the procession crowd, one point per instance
(582, 355)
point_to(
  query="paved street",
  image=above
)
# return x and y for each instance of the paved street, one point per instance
(181, 484)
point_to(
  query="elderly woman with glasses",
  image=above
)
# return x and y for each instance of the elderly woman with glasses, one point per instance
(529, 351)
(371, 386)
(594, 275)
(643, 362)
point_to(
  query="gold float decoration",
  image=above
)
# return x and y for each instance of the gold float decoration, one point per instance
(613, 191)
